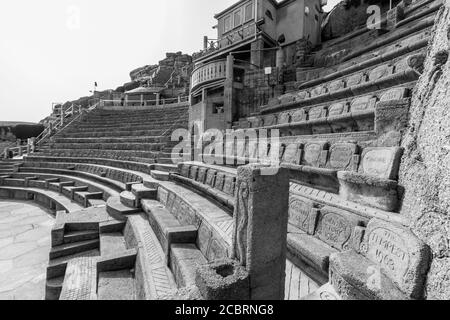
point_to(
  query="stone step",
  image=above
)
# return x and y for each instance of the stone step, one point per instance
(80, 236)
(80, 282)
(97, 203)
(116, 285)
(118, 210)
(111, 243)
(142, 192)
(73, 248)
(57, 267)
(112, 226)
(53, 288)
(83, 197)
(160, 175)
(128, 199)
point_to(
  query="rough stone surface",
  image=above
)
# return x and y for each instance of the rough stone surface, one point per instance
(425, 169)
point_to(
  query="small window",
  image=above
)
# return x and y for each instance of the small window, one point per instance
(269, 14)
(217, 108)
(248, 12)
(227, 24)
(237, 18)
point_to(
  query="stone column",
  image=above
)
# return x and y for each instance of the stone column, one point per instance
(6, 153)
(260, 228)
(228, 94)
(62, 115)
(257, 55)
(157, 98)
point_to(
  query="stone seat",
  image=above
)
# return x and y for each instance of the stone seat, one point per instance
(113, 154)
(184, 261)
(391, 263)
(352, 269)
(213, 181)
(108, 146)
(356, 51)
(311, 250)
(315, 233)
(406, 70)
(166, 226)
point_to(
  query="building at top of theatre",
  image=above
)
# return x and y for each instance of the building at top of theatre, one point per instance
(253, 37)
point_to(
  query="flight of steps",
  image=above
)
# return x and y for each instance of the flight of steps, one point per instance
(134, 135)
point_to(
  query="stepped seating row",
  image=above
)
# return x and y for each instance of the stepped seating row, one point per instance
(122, 164)
(357, 114)
(407, 69)
(390, 263)
(366, 43)
(216, 182)
(126, 155)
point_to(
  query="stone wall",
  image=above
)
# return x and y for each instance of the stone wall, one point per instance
(425, 170)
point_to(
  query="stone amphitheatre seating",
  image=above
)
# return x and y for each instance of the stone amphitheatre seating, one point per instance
(143, 137)
(129, 224)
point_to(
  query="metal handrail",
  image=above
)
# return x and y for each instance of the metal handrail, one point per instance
(180, 99)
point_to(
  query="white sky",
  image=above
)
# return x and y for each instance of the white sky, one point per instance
(46, 56)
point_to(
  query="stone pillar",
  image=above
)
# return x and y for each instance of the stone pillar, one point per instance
(158, 96)
(62, 115)
(6, 156)
(257, 55)
(228, 94)
(280, 58)
(260, 228)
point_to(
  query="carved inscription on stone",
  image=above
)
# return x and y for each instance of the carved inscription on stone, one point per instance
(163, 195)
(380, 162)
(354, 80)
(302, 95)
(312, 154)
(341, 155)
(336, 86)
(210, 177)
(394, 94)
(185, 170)
(317, 91)
(317, 113)
(270, 120)
(228, 186)
(380, 72)
(334, 229)
(401, 255)
(193, 174)
(336, 109)
(389, 251)
(201, 175)
(299, 115)
(291, 155)
(299, 213)
(284, 118)
(220, 179)
(363, 104)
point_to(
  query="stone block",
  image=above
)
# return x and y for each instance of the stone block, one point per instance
(401, 255)
(223, 280)
(381, 162)
(341, 156)
(302, 214)
(313, 152)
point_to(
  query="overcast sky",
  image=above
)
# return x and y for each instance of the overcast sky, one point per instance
(54, 50)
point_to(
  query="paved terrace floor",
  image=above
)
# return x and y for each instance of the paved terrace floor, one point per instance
(25, 230)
